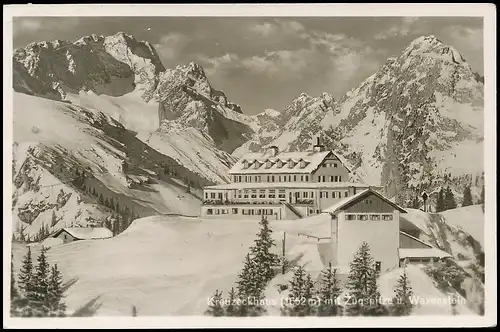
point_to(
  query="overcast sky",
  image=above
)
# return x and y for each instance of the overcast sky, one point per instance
(266, 62)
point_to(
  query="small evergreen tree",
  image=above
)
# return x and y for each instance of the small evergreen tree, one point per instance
(482, 196)
(266, 261)
(467, 197)
(363, 295)
(295, 303)
(22, 236)
(215, 308)
(54, 219)
(55, 294)
(40, 298)
(415, 204)
(329, 293)
(248, 290)
(14, 294)
(26, 280)
(401, 303)
(231, 308)
(449, 200)
(440, 201)
(101, 198)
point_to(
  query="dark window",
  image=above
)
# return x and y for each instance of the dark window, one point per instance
(210, 211)
(235, 210)
(378, 266)
(350, 217)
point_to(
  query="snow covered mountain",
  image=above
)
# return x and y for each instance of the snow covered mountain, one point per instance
(117, 66)
(71, 162)
(414, 125)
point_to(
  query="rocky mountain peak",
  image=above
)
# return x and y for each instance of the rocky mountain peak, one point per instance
(430, 46)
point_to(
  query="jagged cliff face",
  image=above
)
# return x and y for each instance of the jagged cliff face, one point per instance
(414, 125)
(186, 97)
(118, 65)
(113, 65)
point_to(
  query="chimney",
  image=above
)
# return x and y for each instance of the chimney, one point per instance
(318, 147)
(273, 150)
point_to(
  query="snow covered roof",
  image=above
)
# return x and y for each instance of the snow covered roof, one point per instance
(422, 253)
(342, 203)
(86, 233)
(311, 159)
(277, 185)
(415, 238)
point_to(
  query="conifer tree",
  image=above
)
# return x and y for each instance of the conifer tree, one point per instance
(415, 204)
(39, 298)
(231, 307)
(215, 308)
(467, 197)
(294, 305)
(310, 299)
(26, 280)
(249, 290)
(363, 295)
(401, 303)
(54, 219)
(440, 201)
(14, 294)
(449, 199)
(329, 293)
(101, 198)
(22, 236)
(482, 196)
(55, 295)
(266, 261)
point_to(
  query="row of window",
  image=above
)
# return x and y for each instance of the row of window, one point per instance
(374, 217)
(252, 212)
(214, 195)
(331, 178)
(334, 194)
(270, 178)
(330, 165)
(279, 164)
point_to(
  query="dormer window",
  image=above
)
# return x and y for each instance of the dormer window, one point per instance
(291, 163)
(280, 163)
(256, 164)
(245, 164)
(302, 163)
(269, 163)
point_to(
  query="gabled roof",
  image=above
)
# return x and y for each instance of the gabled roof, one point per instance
(86, 233)
(415, 239)
(422, 253)
(312, 159)
(348, 200)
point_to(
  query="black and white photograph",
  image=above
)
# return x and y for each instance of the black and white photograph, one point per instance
(172, 162)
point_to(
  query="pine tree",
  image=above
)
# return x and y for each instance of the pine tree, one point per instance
(55, 294)
(54, 219)
(26, 280)
(440, 201)
(40, 298)
(231, 307)
(22, 236)
(415, 204)
(482, 196)
(401, 303)
(266, 261)
(363, 295)
(301, 295)
(14, 294)
(467, 197)
(449, 199)
(248, 290)
(215, 308)
(329, 293)
(310, 299)
(101, 198)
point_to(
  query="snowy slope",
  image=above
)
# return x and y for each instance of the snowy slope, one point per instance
(167, 265)
(162, 265)
(54, 139)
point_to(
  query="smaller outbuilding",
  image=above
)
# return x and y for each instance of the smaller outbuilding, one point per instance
(70, 234)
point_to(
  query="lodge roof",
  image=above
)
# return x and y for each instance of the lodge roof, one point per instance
(357, 197)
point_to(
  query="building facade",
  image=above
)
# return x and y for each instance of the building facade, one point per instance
(370, 217)
(71, 234)
(286, 185)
